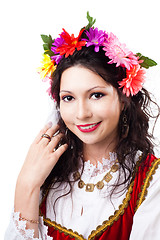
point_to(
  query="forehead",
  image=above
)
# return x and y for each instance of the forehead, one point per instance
(79, 76)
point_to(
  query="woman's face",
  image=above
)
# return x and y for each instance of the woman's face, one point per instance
(89, 106)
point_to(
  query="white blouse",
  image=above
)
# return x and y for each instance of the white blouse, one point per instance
(80, 208)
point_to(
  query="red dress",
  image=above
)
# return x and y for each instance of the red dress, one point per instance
(119, 225)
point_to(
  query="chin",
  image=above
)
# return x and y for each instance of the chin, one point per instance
(89, 141)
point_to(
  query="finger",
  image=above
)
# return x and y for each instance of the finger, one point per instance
(60, 151)
(43, 130)
(50, 132)
(55, 141)
(53, 131)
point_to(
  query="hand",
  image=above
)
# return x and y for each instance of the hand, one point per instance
(42, 157)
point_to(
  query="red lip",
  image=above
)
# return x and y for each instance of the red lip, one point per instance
(89, 129)
(85, 125)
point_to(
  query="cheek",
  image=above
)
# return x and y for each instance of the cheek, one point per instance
(65, 113)
(110, 111)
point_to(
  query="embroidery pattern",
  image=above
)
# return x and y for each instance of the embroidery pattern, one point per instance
(101, 228)
(146, 183)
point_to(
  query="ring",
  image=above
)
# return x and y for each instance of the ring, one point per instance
(46, 136)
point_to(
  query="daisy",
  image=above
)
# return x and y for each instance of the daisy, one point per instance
(132, 84)
(118, 53)
(95, 37)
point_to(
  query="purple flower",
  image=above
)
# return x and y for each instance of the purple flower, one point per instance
(56, 58)
(95, 37)
(57, 43)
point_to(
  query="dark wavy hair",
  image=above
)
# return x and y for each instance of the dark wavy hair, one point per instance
(133, 135)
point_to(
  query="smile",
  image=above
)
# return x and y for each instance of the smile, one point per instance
(88, 127)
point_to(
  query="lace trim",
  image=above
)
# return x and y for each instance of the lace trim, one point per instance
(101, 167)
(101, 228)
(21, 227)
(28, 234)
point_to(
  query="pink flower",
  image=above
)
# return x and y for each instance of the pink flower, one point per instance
(49, 90)
(132, 84)
(118, 53)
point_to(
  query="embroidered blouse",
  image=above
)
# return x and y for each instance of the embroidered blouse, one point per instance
(84, 211)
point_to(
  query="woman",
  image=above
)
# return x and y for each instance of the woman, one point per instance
(94, 172)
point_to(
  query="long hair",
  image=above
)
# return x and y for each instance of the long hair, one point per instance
(133, 132)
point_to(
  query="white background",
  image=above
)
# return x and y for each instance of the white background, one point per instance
(24, 103)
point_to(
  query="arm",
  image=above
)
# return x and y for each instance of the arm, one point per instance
(38, 164)
(17, 230)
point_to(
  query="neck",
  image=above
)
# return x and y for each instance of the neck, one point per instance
(95, 153)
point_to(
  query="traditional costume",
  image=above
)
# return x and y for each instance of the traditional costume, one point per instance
(132, 212)
(89, 211)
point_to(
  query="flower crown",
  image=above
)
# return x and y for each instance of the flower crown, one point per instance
(117, 52)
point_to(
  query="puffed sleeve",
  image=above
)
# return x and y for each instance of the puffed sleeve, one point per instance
(146, 221)
(17, 230)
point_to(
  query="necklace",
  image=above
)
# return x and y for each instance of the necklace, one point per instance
(90, 186)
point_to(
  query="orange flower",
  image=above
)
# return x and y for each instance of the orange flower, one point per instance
(70, 43)
(132, 84)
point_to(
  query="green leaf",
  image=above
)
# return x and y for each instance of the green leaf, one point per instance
(45, 38)
(147, 62)
(49, 52)
(50, 41)
(45, 46)
(91, 21)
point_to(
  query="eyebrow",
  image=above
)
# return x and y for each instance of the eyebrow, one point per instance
(87, 90)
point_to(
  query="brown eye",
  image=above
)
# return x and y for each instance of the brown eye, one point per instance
(97, 95)
(67, 98)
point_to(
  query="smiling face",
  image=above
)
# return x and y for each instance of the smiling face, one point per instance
(89, 106)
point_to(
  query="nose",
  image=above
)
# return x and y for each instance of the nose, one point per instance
(83, 110)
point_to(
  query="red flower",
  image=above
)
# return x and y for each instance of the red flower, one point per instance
(70, 43)
(132, 84)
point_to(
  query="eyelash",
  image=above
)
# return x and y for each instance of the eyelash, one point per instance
(100, 95)
(65, 97)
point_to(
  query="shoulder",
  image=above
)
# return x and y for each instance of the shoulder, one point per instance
(148, 166)
(148, 177)
(147, 216)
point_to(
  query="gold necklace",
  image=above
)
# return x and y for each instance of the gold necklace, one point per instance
(90, 186)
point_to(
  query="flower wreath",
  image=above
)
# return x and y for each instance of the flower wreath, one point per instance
(117, 52)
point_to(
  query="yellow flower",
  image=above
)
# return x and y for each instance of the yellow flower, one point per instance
(47, 68)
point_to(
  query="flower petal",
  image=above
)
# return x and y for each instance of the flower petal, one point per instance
(132, 84)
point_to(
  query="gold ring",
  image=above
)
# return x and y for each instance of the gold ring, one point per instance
(46, 136)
